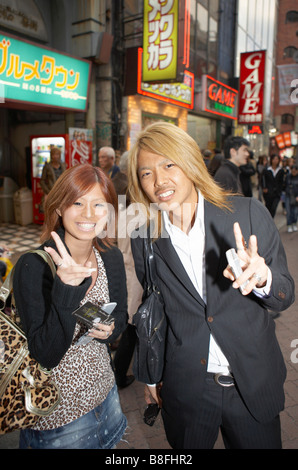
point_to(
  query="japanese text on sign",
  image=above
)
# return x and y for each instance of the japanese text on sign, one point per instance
(30, 73)
(15, 67)
(160, 55)
(160, 38)
(251, 90)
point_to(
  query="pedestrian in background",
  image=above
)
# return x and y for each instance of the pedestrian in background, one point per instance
(261, 166)
(120, 178)
(215, 163)
(106, 160)
(89, 268)
(125, 348)
(246, 172)
(207, 155)
(236, 153)
(273, 182)
(291, 198)
(51, 171)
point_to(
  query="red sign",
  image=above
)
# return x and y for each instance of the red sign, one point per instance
(80, 146)
(287, 139)
(255, 129)
(251, 87)
(280, 141)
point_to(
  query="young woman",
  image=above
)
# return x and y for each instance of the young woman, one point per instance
(273, 182)
(89, 268)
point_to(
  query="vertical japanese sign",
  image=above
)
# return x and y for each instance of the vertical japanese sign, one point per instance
(80, 145)
(160, 40)
(251, 87)
(42, 76)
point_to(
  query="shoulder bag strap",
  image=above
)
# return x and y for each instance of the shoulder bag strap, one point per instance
(146, 262)
(6, 287)
(151, 275)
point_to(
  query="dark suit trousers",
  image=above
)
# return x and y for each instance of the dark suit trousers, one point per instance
(124, 353)
(222, 408)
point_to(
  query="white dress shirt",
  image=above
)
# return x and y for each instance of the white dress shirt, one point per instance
(191, 251)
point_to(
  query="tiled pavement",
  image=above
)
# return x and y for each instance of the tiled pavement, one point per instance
(141, 436)
(19, 238)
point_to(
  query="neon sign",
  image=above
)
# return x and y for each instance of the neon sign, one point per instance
(255, 129)
(218, 98)
(41, 76)
(181, 94)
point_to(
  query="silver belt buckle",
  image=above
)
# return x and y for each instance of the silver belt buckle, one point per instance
(222, 384)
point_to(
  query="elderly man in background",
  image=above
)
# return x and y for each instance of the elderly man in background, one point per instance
(106, 160)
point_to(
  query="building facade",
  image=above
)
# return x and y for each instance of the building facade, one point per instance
(284, 138)
(108, 35)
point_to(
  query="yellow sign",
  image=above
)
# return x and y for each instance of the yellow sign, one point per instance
(181, 94)
(160, 40)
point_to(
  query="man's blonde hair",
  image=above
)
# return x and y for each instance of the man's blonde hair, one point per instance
(167, 140)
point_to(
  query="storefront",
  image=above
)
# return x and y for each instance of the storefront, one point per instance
(215, 111)
(149, 102)
(37, 80)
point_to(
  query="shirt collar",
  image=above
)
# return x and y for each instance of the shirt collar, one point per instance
(199, 220)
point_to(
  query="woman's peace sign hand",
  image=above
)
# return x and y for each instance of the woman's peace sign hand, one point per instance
(68, 270)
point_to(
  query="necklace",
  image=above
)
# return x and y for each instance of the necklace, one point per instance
(89, 254)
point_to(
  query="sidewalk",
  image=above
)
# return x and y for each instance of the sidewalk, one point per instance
(141, 436)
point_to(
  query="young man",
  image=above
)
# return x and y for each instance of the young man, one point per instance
(236, 154)
(223, 366)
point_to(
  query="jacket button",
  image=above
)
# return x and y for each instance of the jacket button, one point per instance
(210, 319)
(203, 361)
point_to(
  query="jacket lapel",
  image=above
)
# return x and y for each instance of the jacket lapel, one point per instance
(215, 220)
(215, 245)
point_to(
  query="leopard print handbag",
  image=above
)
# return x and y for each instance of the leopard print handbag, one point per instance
(26, 389)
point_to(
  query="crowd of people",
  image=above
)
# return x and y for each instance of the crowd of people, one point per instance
(200, 204)
(277, 180)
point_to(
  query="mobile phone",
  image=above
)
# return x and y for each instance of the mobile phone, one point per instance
(95, 315)
(108, 308)
(235, 266)
(151, 414)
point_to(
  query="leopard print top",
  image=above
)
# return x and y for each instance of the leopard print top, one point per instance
(84, 375)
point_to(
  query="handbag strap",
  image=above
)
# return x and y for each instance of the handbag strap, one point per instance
(6, 287)
(150, 268)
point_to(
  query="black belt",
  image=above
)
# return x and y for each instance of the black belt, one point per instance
(224, 380)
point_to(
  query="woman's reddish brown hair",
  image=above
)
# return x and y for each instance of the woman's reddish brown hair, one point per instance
(70, 186)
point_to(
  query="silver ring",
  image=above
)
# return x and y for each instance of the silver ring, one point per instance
(59, 265)
(257, 277)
